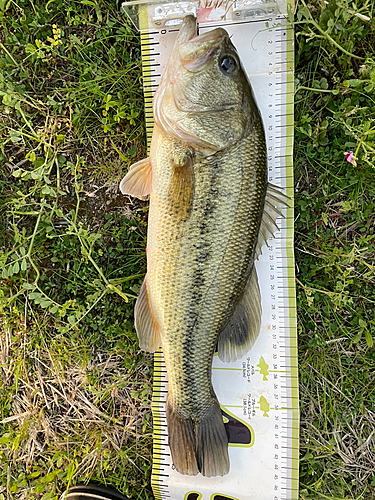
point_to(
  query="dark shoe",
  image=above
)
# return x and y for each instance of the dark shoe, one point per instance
(92, 491)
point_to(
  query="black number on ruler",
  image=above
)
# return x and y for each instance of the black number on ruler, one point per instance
(193, 496)
(222, 497)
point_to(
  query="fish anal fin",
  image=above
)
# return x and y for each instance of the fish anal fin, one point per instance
(242, 330)
(145, 324)
(275, 201)
(138, 181)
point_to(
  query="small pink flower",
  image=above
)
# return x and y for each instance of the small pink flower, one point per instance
(351, 158)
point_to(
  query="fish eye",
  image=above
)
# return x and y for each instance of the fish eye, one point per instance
(227, 64)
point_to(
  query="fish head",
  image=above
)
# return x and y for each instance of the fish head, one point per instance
(204, 97)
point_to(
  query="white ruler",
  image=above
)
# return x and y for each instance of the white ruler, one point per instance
(258, 393)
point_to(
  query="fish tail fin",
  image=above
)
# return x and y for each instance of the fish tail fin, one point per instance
(212, 443)
(198, 444)
(181, 440)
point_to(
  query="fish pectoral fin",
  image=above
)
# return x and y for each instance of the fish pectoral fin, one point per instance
(138, 181)
(181, 187)
(242, 330)
(145, 324)
(275, 201)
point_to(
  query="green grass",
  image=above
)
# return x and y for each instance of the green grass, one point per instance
(75, 392)
(335, 252)
(75, 389)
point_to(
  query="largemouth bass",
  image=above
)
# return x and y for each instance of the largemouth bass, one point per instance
(211, 210)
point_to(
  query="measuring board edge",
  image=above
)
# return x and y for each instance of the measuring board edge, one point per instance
(159, 376)
(292, 305)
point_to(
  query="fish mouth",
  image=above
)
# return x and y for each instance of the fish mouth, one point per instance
(195, 50)
(188, 29)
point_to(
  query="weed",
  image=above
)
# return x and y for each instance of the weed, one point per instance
(335, 192)
(72, 252)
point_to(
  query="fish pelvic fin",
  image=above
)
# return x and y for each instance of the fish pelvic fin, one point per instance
(138, 181)
(242, 330)
(146, 325)
(198, 444)
(275, 201)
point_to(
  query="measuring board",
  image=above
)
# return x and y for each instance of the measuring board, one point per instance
(258, 393)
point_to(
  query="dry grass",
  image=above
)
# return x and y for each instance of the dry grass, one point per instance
(337, 425)
(61, 407)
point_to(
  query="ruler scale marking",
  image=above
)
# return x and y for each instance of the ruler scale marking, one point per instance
(284, 295)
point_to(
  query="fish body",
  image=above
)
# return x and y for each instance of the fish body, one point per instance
(207, 182)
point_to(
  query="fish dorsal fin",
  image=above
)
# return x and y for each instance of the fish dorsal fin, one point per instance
(275, 201)
(242, 330)
(145, 324)
(138, 181)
